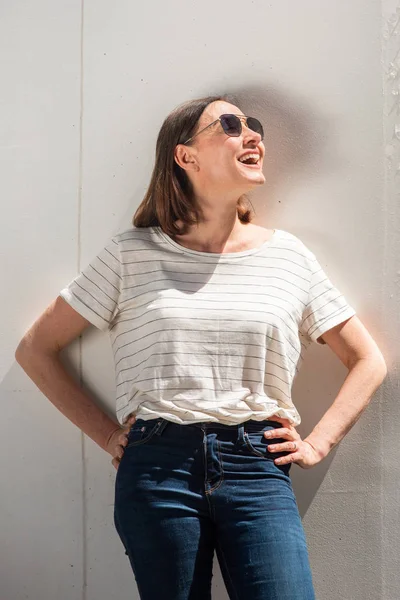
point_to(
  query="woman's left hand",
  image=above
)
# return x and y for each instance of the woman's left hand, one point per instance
(301, 452)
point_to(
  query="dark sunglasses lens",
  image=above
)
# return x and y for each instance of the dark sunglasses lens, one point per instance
(256, 126)
(231, 125)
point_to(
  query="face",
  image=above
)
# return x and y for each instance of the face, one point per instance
(211, 161)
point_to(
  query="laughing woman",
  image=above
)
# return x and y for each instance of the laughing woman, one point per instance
(209, 316)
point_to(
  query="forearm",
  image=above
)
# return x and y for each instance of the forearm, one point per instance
(50, 376)
(361, 382)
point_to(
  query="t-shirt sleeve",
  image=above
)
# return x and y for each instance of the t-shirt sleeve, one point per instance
(326, 306)
(95, 292)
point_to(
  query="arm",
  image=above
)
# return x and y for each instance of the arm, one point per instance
(38, 355)
(362, 381)
(354, 346)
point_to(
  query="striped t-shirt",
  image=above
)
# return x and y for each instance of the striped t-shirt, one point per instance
(200, 336)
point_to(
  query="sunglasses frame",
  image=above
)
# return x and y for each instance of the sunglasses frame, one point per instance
(241, 118)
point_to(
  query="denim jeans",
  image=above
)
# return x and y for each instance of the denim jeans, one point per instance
(183, 491)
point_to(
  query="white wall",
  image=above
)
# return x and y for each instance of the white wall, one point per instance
(85, 88)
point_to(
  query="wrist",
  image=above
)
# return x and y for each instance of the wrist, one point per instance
(321, 447)
(109, 435)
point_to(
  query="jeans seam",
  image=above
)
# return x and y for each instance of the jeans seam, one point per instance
(250, 447)
(227, 573)
(222, 472)
(145, 439)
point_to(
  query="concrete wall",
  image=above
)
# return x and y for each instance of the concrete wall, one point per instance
(85, 88)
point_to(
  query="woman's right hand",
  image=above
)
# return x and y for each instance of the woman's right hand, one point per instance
(118, 440)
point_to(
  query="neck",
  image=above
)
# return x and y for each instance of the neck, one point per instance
(214, 234)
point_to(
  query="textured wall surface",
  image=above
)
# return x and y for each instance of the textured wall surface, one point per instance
(85, 88)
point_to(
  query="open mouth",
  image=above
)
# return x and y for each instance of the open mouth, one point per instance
(250, 165)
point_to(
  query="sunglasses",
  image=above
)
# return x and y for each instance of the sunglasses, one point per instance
(232, 125)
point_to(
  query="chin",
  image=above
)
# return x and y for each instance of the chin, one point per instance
(257, 179)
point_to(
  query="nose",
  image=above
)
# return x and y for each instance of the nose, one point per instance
(250, 134)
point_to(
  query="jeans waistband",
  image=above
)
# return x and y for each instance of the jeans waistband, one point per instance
(250, 425)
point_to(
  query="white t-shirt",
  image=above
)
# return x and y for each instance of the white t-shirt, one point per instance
(200, 336)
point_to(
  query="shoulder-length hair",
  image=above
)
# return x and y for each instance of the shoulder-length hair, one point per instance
(170, 196)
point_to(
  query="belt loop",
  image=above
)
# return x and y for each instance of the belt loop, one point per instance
(241, 432)
(162, 423)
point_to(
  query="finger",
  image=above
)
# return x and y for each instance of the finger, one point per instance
(119, 451)
(285, 446)
(284, 460)
(123, 439)
(280, 432)
(115, 462)
(128, 426)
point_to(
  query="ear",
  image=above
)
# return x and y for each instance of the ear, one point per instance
(185, 157)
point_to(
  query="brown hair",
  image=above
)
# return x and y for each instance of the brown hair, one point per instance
(169, 196)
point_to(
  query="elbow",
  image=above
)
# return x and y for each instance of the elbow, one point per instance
(384, 369)
(24, 350)
(376, 365)
(379, 366)
(21, 351)
(29, 349)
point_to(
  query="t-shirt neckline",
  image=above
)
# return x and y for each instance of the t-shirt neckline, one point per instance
(248, 252)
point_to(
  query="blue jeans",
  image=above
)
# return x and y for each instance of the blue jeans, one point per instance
(183, 491)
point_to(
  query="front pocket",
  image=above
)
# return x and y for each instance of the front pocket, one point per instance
(141, 432)
(258, 445)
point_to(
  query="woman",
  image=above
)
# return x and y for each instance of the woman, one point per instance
(208, 316)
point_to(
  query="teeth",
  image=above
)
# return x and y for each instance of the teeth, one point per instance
(247, 156)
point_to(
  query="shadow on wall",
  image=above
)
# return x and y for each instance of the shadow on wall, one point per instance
(296, 132)
(296, 138)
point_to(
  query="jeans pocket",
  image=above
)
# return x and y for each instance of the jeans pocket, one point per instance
(141, 432)
(258, 444)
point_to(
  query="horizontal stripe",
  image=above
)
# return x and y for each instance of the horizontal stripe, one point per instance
(202, 336)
